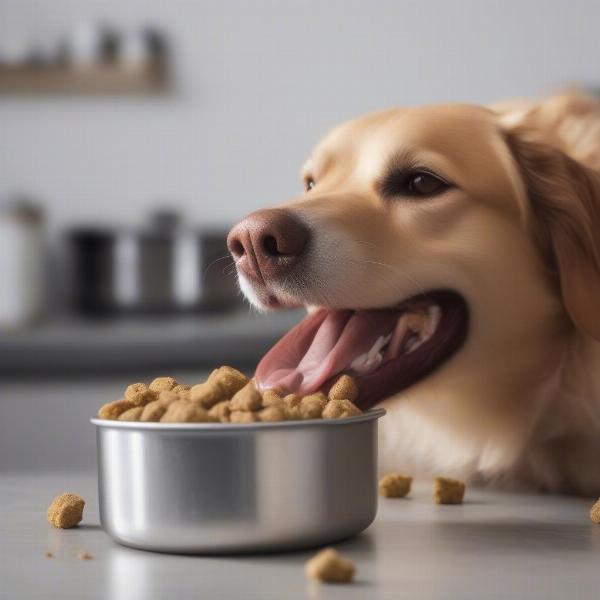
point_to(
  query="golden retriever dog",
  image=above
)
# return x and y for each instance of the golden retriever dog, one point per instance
(449, 257)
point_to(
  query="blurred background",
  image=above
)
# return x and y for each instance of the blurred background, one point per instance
(134, 134)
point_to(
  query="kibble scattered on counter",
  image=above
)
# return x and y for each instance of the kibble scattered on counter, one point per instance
(330, 566)
(228, 396)
(448, 491)
(66, 511)
(394, 485)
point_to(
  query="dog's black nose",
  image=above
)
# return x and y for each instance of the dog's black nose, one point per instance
(267, 242)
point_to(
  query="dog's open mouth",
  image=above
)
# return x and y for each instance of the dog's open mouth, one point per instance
(385, 350)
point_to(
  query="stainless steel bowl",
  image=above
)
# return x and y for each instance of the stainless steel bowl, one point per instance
(206, 488)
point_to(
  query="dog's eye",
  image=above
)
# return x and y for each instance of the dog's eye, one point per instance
(425, 184)
(309, 184)
(416, 184)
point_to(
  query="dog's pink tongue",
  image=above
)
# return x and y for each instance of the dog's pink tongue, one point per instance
(320, 346)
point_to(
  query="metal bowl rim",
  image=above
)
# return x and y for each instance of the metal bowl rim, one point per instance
(369, 415)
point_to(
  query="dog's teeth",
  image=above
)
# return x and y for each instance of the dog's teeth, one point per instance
(378, 345)
(411, 331)
(428, 327)
(434, 315)
(359, 362)
(413, 343)
(364, 364)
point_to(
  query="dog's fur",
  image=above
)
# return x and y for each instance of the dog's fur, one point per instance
(518, 236)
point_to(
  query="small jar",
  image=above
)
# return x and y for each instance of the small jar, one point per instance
(22, 259)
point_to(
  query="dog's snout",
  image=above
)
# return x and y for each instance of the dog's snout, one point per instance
(267, 242)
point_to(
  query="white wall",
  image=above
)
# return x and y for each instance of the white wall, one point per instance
(258, 81)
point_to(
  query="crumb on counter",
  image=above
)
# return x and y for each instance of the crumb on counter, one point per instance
(448, 491)
(394, 485)
(49, 554)
(66, 511)
(83, 555)
(330, 566)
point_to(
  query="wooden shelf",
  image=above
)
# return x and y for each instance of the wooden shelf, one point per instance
(103, 79)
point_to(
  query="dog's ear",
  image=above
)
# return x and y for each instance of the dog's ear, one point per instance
(563, 205)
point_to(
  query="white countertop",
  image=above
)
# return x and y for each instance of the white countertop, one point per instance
(496, 545)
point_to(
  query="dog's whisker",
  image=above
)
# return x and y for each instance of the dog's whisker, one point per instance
(214, 262)
(392, 268)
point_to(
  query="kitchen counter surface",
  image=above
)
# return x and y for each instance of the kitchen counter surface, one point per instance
(496, 545)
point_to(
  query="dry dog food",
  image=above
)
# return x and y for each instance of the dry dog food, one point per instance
(595, 512)
(394, 485)
(344, 389)
(228, 396)
(448, 491)
(66, 511)
(84, 555)
(330, 566)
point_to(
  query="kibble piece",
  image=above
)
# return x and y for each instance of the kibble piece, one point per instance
(163, 383)
(276, 412)
(153, 411)
(221, 411)
(248, 398)
(139, 394)
(185, 395)
(207, 394)
(448, 491)
(84, 556)
(66, 511)
(230, 380)
(344, 389)
(49, 554)
(183, 391)
(183, 411)
(292, 413)
(595, 512)
(330, 566)
(338, 409)
(242, 416)
(133, 414)
(394, 485)
(167, 397)
(312, 406)
(271, 398)
(292, 400)
(182, 387)
(112, 410)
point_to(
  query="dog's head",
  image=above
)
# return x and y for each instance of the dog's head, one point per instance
(420, 232)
